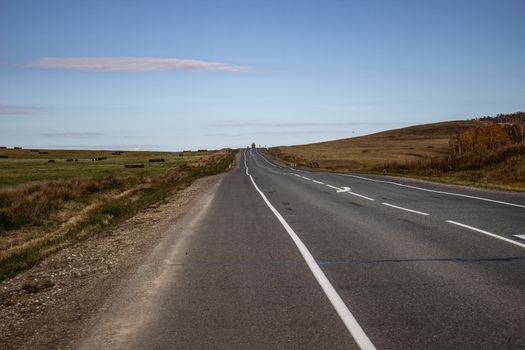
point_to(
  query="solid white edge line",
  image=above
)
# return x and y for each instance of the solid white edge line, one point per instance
(340, 307)
(487, 233)
(335, 188)
(434, 191)
(405, 209)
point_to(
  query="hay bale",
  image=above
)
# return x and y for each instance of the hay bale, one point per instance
(51, 161)
(102, 158)
(69, 160)
(134, 166)
(181, 155)
(156, 160)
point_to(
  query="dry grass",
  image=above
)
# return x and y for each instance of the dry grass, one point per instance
(38, 218)
(418, 151)
(366, 152)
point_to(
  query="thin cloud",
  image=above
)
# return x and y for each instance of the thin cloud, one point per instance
(134, 64)
(272, 133)
(71, 134)
(17, 109)
(246, 124)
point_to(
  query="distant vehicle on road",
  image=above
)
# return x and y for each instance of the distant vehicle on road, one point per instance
(253, 144)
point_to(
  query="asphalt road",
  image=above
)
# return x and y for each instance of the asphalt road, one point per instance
(278, 258)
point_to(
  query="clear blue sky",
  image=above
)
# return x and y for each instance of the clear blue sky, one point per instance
(112, 74)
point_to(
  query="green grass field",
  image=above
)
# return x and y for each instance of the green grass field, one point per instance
(24, 166)
(45, 207)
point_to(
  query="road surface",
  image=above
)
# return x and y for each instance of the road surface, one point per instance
(278, 258)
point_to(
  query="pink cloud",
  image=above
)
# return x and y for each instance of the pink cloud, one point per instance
(133, 64)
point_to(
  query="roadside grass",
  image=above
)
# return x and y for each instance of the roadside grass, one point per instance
(39, 218)
(24, 165)
(420, 151)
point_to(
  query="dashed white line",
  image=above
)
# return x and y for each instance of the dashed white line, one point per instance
(405, 209)
(318, 182)
(339, 305)
(335, 188)
(434, 191)
(360, 195)
(493, 235)
(306, 178)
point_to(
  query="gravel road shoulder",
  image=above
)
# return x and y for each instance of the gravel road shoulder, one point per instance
(48, 306)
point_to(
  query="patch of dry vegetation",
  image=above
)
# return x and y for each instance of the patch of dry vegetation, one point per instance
(38, 218)
(372, 151)
(485, 152)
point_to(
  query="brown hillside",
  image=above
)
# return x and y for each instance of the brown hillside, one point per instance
(375, 150)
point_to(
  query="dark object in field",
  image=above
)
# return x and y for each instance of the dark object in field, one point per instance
(156, 160)
(69, 160)
(202, 150)
(51, 161)
(34, 150)
(17, 147)
(102, 158)
(3, 156)
(43, 152)
(3, 147)
(181, 155)
(134, 166)
(76, 160)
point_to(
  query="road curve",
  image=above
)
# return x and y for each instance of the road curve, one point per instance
(279, 258)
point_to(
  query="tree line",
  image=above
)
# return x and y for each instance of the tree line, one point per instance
(500, 131)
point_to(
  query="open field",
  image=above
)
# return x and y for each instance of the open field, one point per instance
(418, 151)
(24, 165)
(47, 206)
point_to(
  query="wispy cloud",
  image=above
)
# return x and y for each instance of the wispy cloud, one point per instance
(17, 109)
(275, 133)
(133, 64)
(247, 124)
(71, 134)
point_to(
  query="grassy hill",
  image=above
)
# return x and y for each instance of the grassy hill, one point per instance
(421, 151)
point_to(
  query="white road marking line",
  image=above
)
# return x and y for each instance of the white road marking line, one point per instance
(340, 307)
(318, 182)
(352, 193)
(344, 189)
(435, 191)
(306, 178)
(406, 209)
(519, 236)
(360, 195)
(297, 175)
(267, 161)
(487, 233)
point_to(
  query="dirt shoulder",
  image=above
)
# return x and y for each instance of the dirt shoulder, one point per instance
(47, 306)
